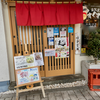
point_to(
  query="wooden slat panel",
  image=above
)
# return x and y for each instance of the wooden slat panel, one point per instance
(14, 32)
(22, 38)
(31, 38)
(45, 47)
(37, 38)
(34, 38)
(19, 40)
(28, 38)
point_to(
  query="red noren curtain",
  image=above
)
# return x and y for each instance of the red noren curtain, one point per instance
(22, 14)
(48, 14)
(63, 14)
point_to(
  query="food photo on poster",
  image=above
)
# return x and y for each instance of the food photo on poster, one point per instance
(27, 75)
(38, 59)
(61, 47)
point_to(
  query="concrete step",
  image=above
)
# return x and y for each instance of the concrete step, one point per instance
(54, 80)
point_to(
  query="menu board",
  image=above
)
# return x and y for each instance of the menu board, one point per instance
(24, 61)
(27, 76)
(35, 59)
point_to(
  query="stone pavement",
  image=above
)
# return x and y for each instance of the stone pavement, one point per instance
(74, 93)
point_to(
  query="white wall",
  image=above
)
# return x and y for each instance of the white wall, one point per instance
(78, 58)
(4, 70)
(9, 43)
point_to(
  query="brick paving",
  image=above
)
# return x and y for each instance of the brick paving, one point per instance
(74, 93)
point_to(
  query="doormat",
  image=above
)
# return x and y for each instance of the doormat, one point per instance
(54, 86)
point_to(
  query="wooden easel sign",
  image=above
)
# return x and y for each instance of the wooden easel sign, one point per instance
(27, 75)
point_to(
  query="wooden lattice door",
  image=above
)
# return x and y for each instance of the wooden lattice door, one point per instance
(36, 39)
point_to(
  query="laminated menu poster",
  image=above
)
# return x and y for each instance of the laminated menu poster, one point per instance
(38, 59)
(56, 31)
(24, 61)
(63, 31)
(27, 76)
(50, 41)
(61, 47)
(49, 52)
(49, 32)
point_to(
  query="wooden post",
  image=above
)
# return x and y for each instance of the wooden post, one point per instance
(17, 90)
(42, 89)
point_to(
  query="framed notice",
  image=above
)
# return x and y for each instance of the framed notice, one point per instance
(28, 75)
(24, 61)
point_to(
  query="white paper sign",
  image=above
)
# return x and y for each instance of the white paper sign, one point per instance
(27, 75)
(63, 31)
(49, 52)
(24, 61)
(49, 32)
(50, 41)
(77, 43)
(38, 59)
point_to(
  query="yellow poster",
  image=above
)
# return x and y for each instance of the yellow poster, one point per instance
(83, 50)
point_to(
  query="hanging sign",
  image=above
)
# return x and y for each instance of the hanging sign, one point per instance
(49, 52)
(24, 61)
(70, 30)
(55, 31)
(50, 41)
(63, 31)
(77, 43)
(27, 76)
(49, 32)
(61, 47)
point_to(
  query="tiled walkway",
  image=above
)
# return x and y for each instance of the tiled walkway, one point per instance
(59, 94)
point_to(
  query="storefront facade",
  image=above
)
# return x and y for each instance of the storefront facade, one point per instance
(52, 67)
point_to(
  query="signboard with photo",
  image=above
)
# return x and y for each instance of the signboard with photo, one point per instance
(27, 76)
(24, 61)
(38, 59)
(50, 41)
(61, 47)
(49, 32)
(56, 31)
(49, 52)
(63, 31)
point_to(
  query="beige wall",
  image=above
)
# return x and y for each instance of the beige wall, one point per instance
(78, 58)
(8, 39)
(4, 67)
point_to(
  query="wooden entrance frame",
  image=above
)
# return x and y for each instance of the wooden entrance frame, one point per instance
(46, 72)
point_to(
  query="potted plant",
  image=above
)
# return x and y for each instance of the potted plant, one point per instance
(93, 46)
